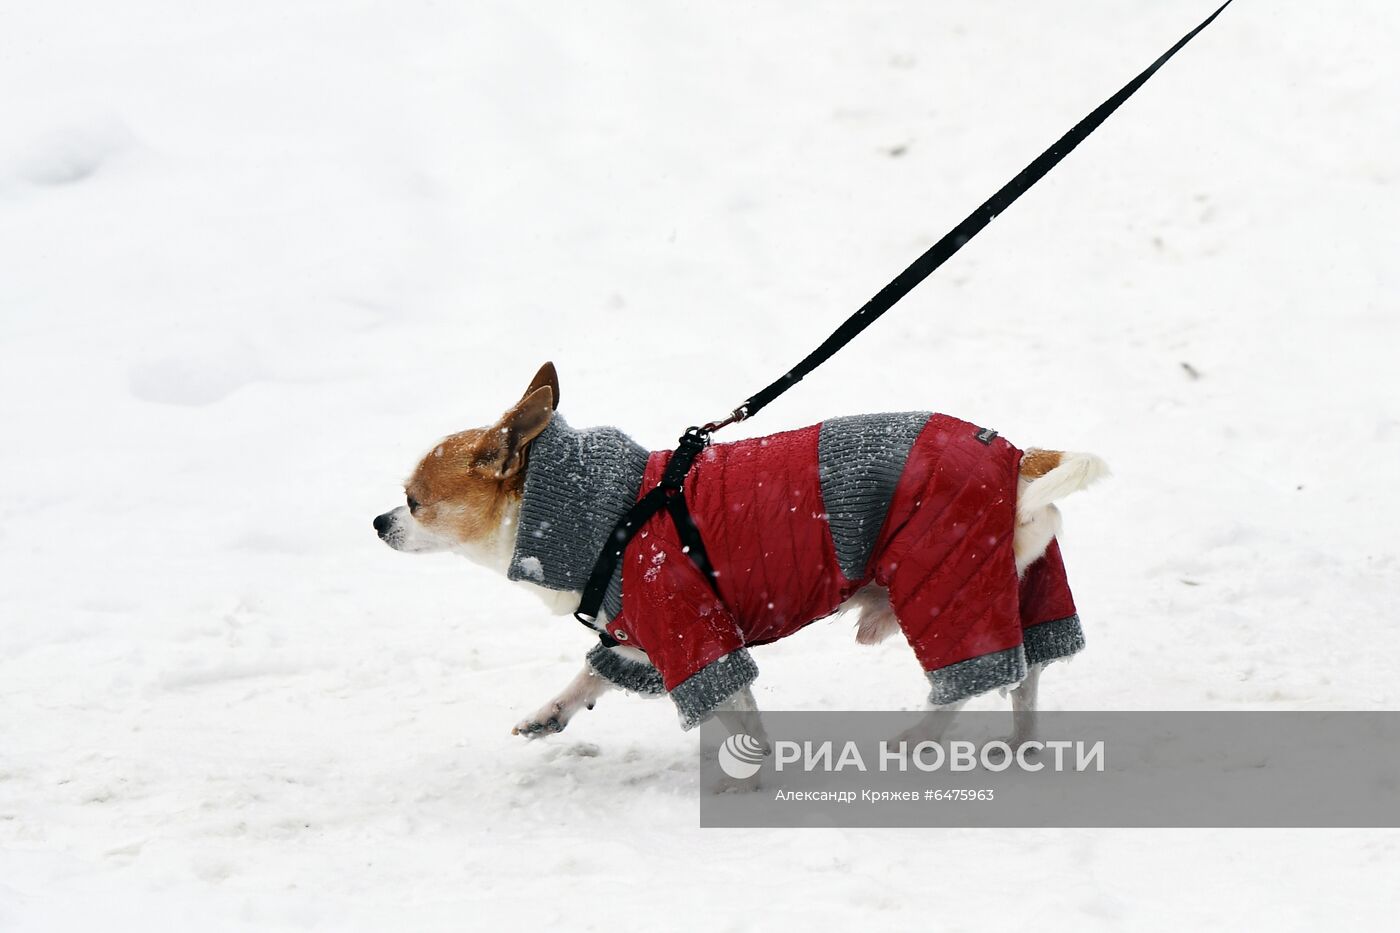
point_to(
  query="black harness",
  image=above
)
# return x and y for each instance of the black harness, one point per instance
(669, 494)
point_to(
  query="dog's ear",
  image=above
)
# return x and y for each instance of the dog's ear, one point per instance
(521, 425)
(545, 377)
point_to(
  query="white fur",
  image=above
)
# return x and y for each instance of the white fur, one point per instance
(581, 693)
(877, 619)
(1037, 519)
(494, 552)
(1076, 471)
(405, 534)
(1033, 533)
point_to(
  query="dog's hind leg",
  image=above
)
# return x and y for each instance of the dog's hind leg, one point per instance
(934, 723)
(1024, 697)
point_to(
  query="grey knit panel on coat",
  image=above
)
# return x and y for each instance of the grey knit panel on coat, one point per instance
(860, 459)
(577, 485)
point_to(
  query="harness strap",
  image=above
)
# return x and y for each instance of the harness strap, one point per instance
(669, 494)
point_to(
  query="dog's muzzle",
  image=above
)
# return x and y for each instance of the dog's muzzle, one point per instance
(397, 529)
(390, 528)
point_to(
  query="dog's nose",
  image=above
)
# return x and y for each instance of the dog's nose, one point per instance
(381, 524)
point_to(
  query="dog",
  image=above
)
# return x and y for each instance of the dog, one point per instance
(920, 522)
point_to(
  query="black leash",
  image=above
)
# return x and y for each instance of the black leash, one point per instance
(670, 493)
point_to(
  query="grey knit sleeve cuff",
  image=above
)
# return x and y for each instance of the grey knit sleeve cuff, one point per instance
(977, 675)
(1053, 641)
(702, 693)
(636, 676)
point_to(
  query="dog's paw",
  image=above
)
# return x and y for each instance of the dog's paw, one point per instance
(547, 721)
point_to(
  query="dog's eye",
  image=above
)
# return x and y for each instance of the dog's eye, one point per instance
(412, 504)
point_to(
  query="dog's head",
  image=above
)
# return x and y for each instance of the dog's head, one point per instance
(464, 492)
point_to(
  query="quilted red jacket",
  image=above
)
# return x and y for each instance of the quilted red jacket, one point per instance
(794, 523)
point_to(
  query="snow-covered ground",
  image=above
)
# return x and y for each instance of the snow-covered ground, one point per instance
(256, 257)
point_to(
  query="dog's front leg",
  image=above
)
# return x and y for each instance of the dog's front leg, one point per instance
(739, 715)
(582, 692)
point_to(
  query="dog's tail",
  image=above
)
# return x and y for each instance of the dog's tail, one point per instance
(1052, 475)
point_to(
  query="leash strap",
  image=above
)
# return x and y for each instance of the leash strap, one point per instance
(670, 493)
(955, 239)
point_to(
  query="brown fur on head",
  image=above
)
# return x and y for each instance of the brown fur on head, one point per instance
(461, 493)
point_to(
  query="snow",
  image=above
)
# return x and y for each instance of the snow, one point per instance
(259, 257)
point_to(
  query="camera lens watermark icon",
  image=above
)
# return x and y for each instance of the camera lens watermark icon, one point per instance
(741, 756)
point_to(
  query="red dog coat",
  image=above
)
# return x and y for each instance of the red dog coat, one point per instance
(943, 550)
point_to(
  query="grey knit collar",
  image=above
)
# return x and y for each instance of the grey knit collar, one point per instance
(577, 485)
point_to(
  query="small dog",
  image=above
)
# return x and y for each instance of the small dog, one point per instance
(919, 521)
